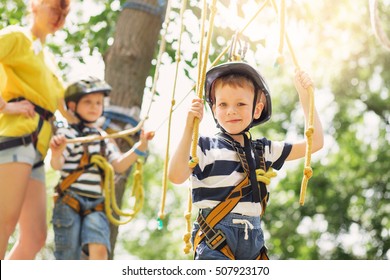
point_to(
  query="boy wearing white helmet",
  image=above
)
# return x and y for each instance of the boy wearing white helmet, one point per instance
(229, 181)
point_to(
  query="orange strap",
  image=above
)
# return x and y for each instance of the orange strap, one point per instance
(72, 177)
(75, 204)
(218, 213)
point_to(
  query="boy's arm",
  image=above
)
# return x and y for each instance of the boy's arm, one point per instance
(178, 170)
(122, 163)
(303, 83)
(57, 146)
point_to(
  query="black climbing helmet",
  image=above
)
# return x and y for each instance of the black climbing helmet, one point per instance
(84, 87)
(244, 69)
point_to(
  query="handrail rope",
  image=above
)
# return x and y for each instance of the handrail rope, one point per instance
(194, 159)
(119, 134)
(160, 53)
(161, 213)
(308, 171)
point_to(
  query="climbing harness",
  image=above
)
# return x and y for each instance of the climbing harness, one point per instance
(11, 142)
(216, 239)
(110, 205)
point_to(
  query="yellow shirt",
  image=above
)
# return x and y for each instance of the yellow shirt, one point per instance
(29, 72)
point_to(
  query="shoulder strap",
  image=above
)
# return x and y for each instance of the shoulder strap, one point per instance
(72, 177)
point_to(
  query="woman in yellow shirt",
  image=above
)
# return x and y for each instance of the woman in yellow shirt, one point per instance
(29, 95)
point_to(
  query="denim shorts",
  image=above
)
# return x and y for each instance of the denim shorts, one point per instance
(26, 154)
(244, 237)
(73, 232)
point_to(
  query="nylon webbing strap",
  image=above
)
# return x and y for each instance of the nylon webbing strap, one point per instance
(219, 212)
(71, 178)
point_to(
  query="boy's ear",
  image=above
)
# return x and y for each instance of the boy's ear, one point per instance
(72, 106)
(258, 110)
(213, 108)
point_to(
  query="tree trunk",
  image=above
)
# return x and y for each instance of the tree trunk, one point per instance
(128, 62)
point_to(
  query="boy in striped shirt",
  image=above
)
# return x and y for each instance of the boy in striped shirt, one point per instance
(230, 163)
(86, 229)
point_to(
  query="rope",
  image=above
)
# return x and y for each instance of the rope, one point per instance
(282, 27)
(187, 216)
(376, 25)
(265, 177)
(110, 203)
(161, 214)
(159, 56)
(307, 172)
(201, 80)
(119, 134)
(219, 57)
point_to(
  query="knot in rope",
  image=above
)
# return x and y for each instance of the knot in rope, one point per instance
(161, 215)
(265, 177)
(280, 60)
(188, 246)
(308, 172)
(309, 132)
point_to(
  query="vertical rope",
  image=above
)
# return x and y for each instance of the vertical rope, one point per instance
(282, 31)
(161, 214)
(159, 56)
(187, 216)
(201, 80)
(308, 171)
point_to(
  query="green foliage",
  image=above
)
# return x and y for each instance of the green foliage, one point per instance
(142, 237)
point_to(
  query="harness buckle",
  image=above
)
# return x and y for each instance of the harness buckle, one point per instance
(216, 241)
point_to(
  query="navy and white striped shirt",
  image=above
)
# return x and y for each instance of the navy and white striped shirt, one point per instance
(220, 170)
(89, 183)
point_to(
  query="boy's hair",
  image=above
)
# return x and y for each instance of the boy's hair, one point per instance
(239, 74)
(235, 80)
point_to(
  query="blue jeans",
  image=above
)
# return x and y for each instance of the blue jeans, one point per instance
(73, 232)
(244, 240)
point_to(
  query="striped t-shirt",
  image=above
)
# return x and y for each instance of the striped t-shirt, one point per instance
(220, 170)
(89, 183)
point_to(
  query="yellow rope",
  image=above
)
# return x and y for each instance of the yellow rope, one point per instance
(265, 177)
(160, 52)
(110, 203)
(161, 214)
(307, 172)
(201, 80)
(282, 17)
(187, 216)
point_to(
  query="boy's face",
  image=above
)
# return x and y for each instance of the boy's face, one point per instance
(89, 107)
(233, 107)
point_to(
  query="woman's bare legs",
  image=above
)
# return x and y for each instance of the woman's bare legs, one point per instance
(32, 223)
(14, 178)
